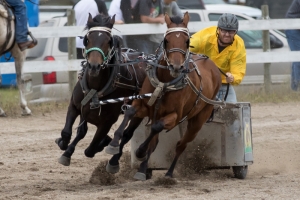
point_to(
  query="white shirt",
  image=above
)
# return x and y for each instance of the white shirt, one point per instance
(82, 10)
(114, 9)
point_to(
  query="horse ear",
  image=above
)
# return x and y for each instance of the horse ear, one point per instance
(112, 20)
(90, 19)
(167, 19)
(186, 18)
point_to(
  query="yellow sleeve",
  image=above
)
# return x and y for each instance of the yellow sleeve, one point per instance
(195, 43)
(238, 65)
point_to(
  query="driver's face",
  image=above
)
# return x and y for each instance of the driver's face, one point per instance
(226, 36)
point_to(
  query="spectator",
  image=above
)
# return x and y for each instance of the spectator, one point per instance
(21, 25)
(171, 8)
(146, 11)
(82, 10)
(115, 9)
(226, 49)
(293, 38)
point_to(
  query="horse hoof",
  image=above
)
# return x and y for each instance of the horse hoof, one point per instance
(112, 150)
(140, 176)
(57, 140)
(112, 168)
(60, 144)
(88, 154)
(26, 112)
(64, 161)
(140, 159)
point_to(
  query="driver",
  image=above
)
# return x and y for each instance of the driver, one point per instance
(226, 49)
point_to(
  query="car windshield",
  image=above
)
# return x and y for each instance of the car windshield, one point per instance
(213, 2)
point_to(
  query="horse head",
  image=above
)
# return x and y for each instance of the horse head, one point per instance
(98, 43)
(176, 43)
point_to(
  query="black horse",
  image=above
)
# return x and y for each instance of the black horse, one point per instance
(106, 76)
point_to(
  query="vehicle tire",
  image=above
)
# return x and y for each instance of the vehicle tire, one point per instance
(149, 174)
(240, 172)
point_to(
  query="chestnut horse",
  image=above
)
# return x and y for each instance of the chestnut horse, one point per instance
(104, 78)
(182, 86)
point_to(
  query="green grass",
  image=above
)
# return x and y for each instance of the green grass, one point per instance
(10, 103)
(9, 98)
(256, 94)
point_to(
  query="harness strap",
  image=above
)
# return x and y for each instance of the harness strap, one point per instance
(204, 98)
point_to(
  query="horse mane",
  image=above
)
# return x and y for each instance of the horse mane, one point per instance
(176, 19)
(99, 20)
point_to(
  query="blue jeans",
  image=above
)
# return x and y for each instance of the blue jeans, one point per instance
(231, 97)
(21, 20)
(293, 38)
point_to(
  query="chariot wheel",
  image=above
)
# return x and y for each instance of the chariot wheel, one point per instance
(240, 172)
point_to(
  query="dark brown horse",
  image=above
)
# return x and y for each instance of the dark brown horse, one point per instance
(182, 85)
(104, 78)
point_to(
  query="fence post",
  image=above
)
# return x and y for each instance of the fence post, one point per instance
(72, 53)
(266, 47)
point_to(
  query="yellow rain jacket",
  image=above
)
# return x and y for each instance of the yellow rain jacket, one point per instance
(232, 59)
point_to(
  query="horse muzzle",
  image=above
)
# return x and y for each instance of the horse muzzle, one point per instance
(94, 69)
(176, 70)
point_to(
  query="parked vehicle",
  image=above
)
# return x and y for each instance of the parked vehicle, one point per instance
(220, 5)
(54, 85)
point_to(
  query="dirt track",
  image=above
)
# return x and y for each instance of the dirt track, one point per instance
(29, 167)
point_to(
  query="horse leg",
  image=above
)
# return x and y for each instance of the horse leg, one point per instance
(193, 127)
(113, 164)
(113, 147)
(148, 146)
(66, 133)
(2, 113)
(19, 57)
(100, 135)
(141, 174)
(167, 122)
(65, 159)
(103, 143)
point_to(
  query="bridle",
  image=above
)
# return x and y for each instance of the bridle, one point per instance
(185, 53)
(111, 51)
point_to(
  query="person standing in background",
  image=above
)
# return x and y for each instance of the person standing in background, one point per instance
(146, 11)
(82, 10)
(293, 38)
(171, 8)
(115, 9)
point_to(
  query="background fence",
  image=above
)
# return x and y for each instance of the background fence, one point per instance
(139, 29)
